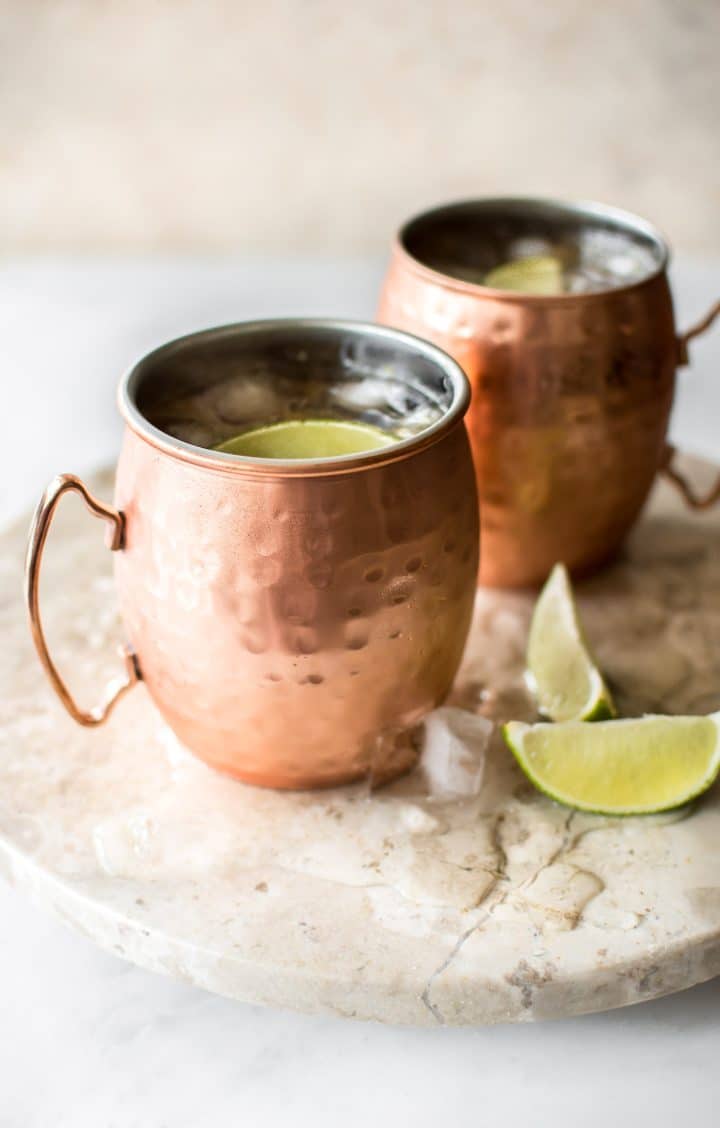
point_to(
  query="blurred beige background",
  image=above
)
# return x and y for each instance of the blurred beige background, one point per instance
(271, 126)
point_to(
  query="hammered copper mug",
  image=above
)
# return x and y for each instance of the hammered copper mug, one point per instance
(571, 393)
(291, 620)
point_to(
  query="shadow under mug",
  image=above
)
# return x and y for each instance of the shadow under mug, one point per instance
(292, 620)
(571, 393)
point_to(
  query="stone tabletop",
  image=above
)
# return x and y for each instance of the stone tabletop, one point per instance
(416, 903)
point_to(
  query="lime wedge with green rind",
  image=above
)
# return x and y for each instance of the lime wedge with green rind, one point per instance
(537, 274)
(560, 670)
(632, 767)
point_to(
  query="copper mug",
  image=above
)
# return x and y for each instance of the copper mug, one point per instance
(291, 620)
(571, 393)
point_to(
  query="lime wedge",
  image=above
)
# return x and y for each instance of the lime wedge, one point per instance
(308, 438)
(633, 767)
(560, 672)
(538, 274)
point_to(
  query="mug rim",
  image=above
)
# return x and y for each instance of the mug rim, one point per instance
(250, 466)
(590, 209)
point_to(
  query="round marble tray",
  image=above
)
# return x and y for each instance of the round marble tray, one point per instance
(399, 906)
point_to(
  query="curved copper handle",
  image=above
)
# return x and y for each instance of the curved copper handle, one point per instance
(695, 331)
(669, 471)
(684, 487)
(36, 544)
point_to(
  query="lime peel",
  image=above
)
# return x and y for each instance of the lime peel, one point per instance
(561, 673)
(630, 767)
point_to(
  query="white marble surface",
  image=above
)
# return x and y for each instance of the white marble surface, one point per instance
(86, 1040)
(433, 901)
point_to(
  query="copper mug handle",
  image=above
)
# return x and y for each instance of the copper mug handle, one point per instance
(669, 471)
(39, 529)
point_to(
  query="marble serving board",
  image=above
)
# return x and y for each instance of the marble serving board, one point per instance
(402, 905)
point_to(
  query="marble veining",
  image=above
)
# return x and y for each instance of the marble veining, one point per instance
(418, 903)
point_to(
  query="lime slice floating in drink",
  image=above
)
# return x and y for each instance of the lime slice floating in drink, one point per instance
(308, 438)
(634, 767)
(537, 274)
(560, 671)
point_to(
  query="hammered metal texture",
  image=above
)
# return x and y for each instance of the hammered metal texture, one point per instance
(571, 401)
(290, 630)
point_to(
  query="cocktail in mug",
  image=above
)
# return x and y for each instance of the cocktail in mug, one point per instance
(292, 617)
(562, 318)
